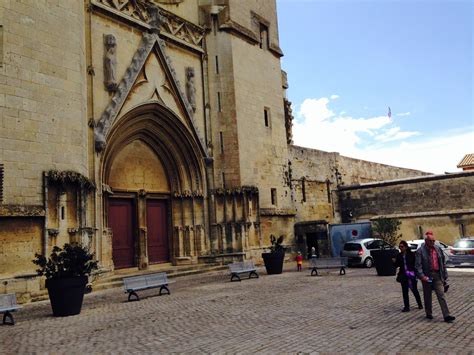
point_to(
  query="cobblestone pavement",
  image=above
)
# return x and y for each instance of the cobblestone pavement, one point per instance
(287, 313)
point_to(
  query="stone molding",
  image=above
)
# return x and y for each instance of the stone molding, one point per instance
(277, 212)
(137, 12)
(251, 190)
(21, 211)
(426, 214)
(188, 194)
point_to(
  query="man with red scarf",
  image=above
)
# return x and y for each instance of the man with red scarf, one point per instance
(430, 268)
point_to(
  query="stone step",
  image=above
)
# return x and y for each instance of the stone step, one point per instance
(115, 280)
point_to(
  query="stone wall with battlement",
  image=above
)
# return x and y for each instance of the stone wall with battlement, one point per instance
(443, 203)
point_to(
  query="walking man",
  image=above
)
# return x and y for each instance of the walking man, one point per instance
(430, 267)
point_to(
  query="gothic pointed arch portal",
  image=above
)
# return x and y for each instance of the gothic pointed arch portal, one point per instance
(154, 171)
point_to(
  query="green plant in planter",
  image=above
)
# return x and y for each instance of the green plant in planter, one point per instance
(276, 246)
(66, 272)
(387, 229)
(71, 261)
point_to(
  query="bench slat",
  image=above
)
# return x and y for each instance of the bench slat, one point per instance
(8, 302)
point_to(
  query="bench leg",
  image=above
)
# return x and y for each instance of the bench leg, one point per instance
(343, 271)
(314, 271)
(10, 317)
(134, 294)
(235, 275)
(164, 287)
(254, 273)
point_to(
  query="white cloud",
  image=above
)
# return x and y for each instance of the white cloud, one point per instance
(436, 154)
(393, 134)
(378, 139)
(334, 97)
(403, 114)
(315, 110)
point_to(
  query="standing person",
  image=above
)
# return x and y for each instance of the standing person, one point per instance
(299, 261)
(430, 268)
(405, 261)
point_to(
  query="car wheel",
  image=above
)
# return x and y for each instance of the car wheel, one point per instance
(368, 262)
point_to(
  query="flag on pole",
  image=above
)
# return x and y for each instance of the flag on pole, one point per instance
(389, 113)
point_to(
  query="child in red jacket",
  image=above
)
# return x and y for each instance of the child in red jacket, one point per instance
(299, 261)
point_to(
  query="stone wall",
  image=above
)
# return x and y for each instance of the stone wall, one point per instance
(20, 239)
(356, 171)
(42, 94)
(444, 203)
(315, 174)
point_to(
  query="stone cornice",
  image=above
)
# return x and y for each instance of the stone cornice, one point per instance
(248, 35)
(21, 211)
(277, 212)
(239, 30)
(427, 214)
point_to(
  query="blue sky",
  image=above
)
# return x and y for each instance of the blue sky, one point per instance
(349, 60)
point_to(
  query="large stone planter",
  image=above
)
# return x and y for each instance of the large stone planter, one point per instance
(383, 261)
(66, 295)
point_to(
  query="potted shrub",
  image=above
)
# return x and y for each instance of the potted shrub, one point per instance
(274, 259)
(66, 272)
(387, 230)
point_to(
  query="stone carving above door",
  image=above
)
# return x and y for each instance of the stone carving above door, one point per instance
(144, 14)
(150, 79)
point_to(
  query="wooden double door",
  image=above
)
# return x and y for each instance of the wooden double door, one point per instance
(123, 222)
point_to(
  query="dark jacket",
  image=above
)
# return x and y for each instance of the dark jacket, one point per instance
(423, 262)
(410, 259)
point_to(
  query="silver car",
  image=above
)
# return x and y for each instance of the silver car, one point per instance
(462, 252)
(357, 251)
(415, 244)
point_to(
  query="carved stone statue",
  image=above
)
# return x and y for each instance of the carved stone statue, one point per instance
(155, 18)
(190, 88)
(110, 62)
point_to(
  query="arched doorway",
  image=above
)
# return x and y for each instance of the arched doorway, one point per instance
(137, 168)
(154, 170)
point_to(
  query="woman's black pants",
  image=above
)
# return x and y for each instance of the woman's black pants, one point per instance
(406, 301)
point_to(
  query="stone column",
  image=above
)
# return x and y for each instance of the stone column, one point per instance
(142, 232)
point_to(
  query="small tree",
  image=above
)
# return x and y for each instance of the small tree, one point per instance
(387, 229)
(277, 247)
(71, 261)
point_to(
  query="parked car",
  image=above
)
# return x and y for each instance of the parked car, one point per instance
(417, 243)
(357, 251)
(462, 252)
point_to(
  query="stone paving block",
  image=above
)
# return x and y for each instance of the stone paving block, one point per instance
(288, 313)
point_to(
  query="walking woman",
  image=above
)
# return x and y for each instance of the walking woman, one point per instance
(405, 261)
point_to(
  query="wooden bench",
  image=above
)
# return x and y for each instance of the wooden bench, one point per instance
(144, 282)
(242, 267)
(7, 305)
(328, 263)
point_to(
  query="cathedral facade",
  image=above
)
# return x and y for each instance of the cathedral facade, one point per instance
(153, 131)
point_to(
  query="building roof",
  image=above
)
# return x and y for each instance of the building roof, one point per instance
(467, 161)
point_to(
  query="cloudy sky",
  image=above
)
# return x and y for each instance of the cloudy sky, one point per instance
(348, 61)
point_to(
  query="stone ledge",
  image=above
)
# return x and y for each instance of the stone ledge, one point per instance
(277, 212)
(412, 180)
(426, 214)
(21, 211)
